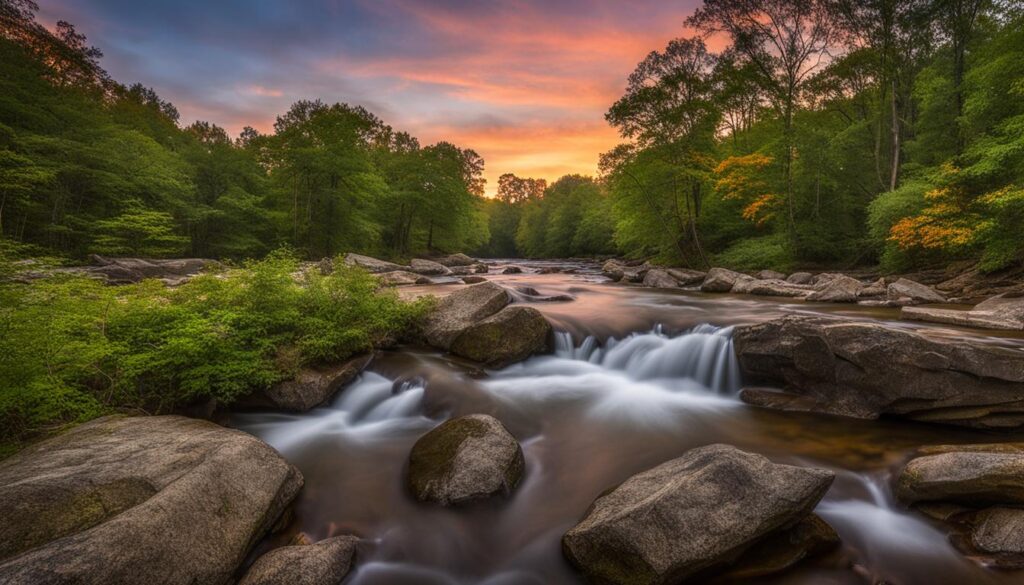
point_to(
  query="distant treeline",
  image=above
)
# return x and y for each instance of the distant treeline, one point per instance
(827, 132)
(90, 165)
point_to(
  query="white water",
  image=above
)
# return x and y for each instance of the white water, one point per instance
(588, 416)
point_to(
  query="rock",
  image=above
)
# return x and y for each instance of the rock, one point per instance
(722, 280)
(875, 289)
(770, 275)
(1000, 532)
(999, 312)
(916, 292)
(685, 276)
(372, 264)
(461, 270)
(161, 500)
(774, 288)
(481, 268)
(810, 537)
(324, 563)
(835, 288)
(968, 475)
(800, 278)
(657, 278)
(428, 268)
(310, 388)
(512, 270)
(461, 309)
(866, 369)
(549, 270)
(511, 335)
(532, 295)
(451, 260)
(690, 516)
(402, 278)
(622, 272)
(465, 459)
(131, 270)
(473, 279)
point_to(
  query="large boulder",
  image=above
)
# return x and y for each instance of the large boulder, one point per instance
(459, 259)
(156, 500)
(657, 278)
(836, 288)
(463, 308)
(402, 278)
(623, 272)
(774, 288)
(510, 335)
(722, 280)
(914, 292)
(965, 474)
(866, 369)
(324, 563)
(465, 459)
(372, 264)
(691, 516)
(428, 268)
(686, 276)
(310, 388)
(999, 312)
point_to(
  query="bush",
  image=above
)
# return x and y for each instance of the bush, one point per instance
(767, 252)
(72, 349)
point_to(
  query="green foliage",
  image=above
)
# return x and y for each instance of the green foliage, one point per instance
(769, 252)
(138, 232)
(72, 349)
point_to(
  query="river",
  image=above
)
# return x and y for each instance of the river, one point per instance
(638, 377)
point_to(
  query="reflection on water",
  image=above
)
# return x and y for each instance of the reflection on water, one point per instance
(619, 395)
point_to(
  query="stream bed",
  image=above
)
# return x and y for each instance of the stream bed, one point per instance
(638, 377)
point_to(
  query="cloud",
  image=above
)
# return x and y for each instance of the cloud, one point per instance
(523, 82)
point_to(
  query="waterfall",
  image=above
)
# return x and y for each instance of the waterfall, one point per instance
(704, 354)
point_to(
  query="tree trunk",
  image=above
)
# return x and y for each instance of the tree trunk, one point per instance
(895, 169)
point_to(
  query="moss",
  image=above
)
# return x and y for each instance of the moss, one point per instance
(433, 455)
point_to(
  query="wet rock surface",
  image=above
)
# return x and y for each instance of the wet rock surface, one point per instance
(865, 370)
(692, 517)
(310, 388)
(324, 563)
(465, 459)
(134, 500)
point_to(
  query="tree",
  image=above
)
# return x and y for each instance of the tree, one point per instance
(786, 41)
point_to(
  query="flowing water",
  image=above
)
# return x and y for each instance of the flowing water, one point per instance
(638, 377)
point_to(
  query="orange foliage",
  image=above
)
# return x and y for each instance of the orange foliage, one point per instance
(947, 223)
(742, 178)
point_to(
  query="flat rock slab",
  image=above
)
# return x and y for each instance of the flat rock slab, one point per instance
(154, 500)
(461, 309)
(691, 516)
(464, 459)
(867, 369)
(971, 475)
(324, 563)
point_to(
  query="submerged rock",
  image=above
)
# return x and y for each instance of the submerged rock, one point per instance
(465, 459)
(510, 335)
(310, 388)
(473, 279)
(512, 270)
(914, 291)
(691, 516)
(428, 268)
(865, 370)
(657, 278)
(161, 500)
(810, 537)
(323, 563)
(372, 264)
(722, 280)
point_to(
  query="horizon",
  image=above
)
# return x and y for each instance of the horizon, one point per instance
(526, 87)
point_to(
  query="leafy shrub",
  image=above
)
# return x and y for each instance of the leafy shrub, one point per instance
(72, 349)
(766, 252)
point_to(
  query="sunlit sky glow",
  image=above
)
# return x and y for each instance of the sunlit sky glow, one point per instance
(525, 83)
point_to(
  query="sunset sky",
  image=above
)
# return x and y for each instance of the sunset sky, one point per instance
(525, 83)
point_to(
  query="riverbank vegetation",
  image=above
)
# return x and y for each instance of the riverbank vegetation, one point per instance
(823, 133)
(72, 348)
